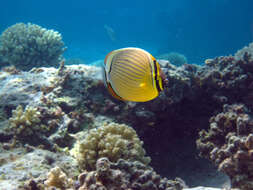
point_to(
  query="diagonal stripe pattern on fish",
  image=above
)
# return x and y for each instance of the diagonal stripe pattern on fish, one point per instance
(133, 74)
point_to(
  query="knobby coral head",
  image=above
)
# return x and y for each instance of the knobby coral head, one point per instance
(29, 45)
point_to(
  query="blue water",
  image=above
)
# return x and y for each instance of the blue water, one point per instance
(199, 29)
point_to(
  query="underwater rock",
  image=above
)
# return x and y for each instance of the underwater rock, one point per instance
(229, 144)
(21, 164)
(34, 87)
(23, 88)
(28, 45)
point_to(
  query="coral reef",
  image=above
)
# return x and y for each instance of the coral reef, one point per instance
(112, 140)
(123, 175)
(229, 144)
(71, 101)
(224, 75)
(29, 45)
(174, 58)
(244, 52)
(47, 127)
(227, 79)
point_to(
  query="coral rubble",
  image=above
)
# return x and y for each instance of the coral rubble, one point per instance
(229, 144)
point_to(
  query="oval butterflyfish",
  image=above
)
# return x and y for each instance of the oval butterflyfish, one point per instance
(133, 74)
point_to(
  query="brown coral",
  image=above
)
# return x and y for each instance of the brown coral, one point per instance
(122, 175)
(229, 144)
(125, 175)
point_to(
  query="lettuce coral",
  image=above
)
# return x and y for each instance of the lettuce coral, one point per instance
(112, 140)
(29, 45)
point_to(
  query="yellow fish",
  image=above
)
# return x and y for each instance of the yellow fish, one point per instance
(133, 74)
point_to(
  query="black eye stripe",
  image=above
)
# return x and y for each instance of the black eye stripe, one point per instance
(156, 80)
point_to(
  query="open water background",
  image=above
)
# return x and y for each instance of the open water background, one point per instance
(199, 29)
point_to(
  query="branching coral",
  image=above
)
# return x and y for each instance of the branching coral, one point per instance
(25, 121)
(112, 140)
(32, 125)
(229, 144)
(29, 45)
(57, 178)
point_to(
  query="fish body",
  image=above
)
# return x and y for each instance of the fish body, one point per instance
(132, 74)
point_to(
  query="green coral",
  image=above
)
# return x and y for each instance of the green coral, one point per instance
(112, 140)
(29, 45)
